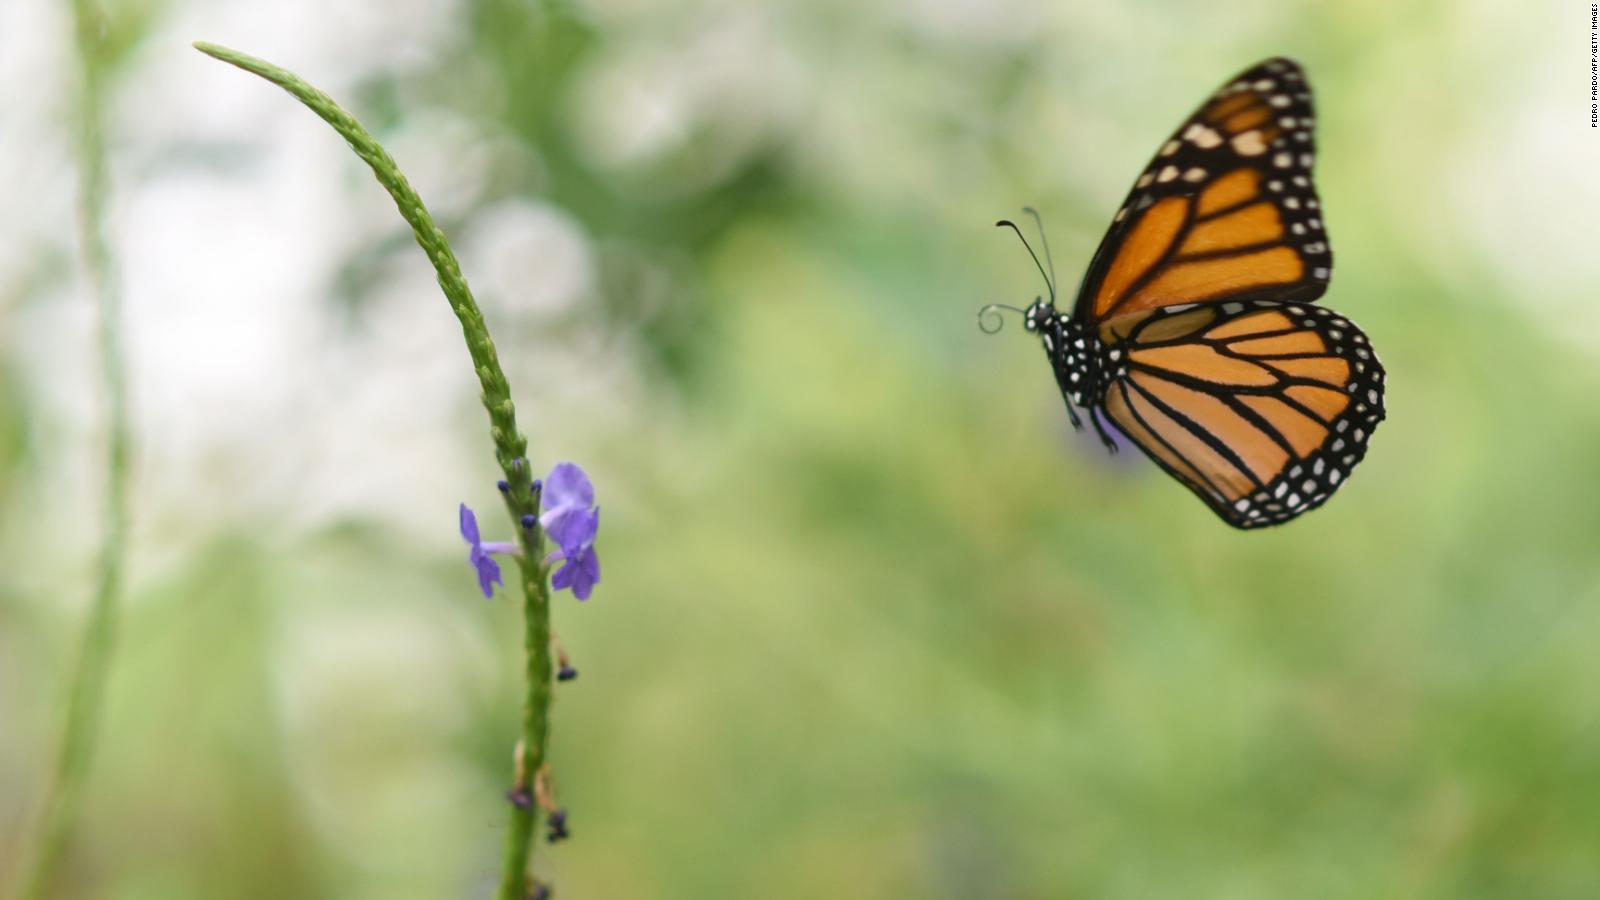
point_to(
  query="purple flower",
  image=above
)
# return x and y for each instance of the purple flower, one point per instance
(479, 556)
(572, 519)
(567, 498)
(580, 572)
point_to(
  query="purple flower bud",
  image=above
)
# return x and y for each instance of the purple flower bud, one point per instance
(529, 520)
(520, 798)
(541, 891)
(567, 673)
(503, 485)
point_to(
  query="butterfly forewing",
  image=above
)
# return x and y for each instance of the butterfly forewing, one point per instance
(1261, 408)
(1226, 210)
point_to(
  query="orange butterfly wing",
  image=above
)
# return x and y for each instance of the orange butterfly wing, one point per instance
(1261, 408)
(1225, 211)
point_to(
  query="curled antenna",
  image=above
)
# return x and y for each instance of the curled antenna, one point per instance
(1048, 281)
(991, 314)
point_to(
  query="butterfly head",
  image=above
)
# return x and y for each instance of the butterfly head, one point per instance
(1038, 315)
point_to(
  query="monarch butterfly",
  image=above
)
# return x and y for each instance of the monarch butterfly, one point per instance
(1193, 330)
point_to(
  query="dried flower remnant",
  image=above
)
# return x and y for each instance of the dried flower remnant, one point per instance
(558, 826)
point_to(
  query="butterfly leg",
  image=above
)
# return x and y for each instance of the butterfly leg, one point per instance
(1072, 415)
(1099, 427)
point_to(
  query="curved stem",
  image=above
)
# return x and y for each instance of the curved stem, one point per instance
(93, 663)
(510, 445)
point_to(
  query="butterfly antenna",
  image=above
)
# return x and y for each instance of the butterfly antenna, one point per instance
(990, 320)
(1044, 242)
(1048, 281)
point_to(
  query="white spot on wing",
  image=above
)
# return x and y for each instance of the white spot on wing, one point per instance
(1249, 143)
(1202, 137)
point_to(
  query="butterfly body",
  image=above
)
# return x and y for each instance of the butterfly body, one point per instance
(1076, 356)
(1195, 330)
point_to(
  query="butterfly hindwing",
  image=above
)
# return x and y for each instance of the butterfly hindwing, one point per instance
(1225, 211)
(1261, 408)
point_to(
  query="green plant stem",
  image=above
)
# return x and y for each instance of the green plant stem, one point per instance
(92, 666)
(510, 445)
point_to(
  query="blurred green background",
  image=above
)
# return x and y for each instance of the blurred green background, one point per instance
(874, 622)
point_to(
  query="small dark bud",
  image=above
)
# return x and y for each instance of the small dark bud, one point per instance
(529, 520)
(537, 486)
(541, 891)
(516, 464)
(504, 486)
(520, 798)
(567, 673)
